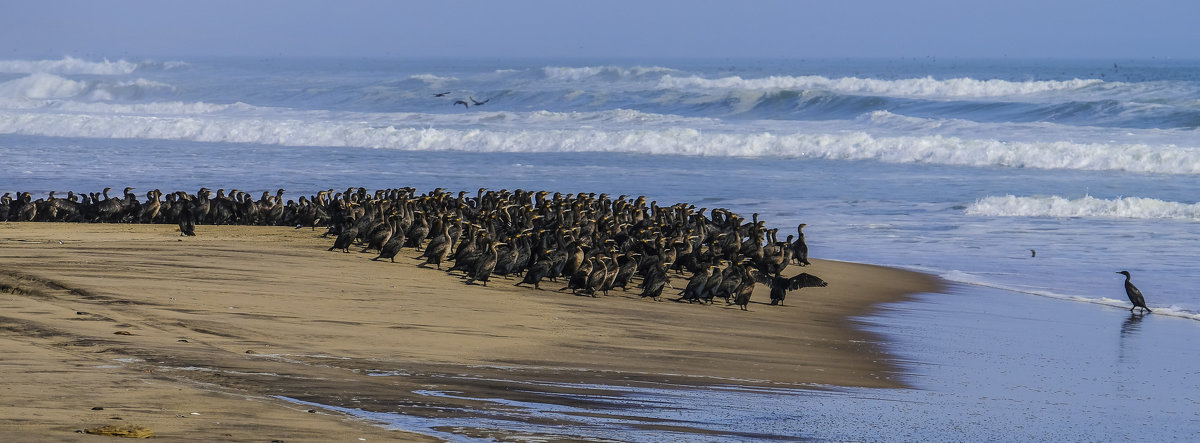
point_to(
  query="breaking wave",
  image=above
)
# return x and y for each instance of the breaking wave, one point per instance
(622, 131)
(1090, 207)
(433, 80)
(913, 87)
(602, 72)
(43, 86)
(71, 66)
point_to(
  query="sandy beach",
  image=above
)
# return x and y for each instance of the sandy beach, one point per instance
(200, 337)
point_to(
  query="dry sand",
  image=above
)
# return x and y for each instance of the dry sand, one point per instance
(193, 337)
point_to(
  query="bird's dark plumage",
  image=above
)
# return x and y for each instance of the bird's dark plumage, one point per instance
(781, 285)
(1135, 295)
(187, 224)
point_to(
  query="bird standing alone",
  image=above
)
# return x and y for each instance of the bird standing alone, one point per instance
(1135, 295)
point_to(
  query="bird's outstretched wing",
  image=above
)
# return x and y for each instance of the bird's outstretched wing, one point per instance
(804, 280)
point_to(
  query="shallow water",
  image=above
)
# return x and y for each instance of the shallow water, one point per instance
(984, 366)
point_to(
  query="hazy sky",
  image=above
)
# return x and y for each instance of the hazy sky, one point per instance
(646, 28)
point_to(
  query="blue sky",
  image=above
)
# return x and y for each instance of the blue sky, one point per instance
(523, 28)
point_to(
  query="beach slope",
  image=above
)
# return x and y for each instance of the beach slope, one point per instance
(205, 337)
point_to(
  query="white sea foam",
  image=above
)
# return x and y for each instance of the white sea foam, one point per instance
(43, 86)
(975, 280)
(433, 80)
(607, 72)
(301, 129)
(912, 87)
(68, 65)
(40, 86)
(1088, 206)
(156, 108)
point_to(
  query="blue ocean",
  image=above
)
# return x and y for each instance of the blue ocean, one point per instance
(1027, 184)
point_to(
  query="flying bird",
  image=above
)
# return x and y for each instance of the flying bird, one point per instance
(460, 102)
(441, 94)
(477, 102)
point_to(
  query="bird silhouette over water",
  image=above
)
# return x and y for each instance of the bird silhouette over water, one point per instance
(441, 94)
(1135, 296)
(477, 102)
(461, 102)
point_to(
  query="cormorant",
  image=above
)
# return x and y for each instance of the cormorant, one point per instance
(799, 247)
(741, 296)
(578, 279)
(482, 268)
(461, 102)
(1135, 296)
(441, 94)
(187, 223)
(438, 249)
(694, 291)
(392, 247)
(780, 285)
(595, 279)
(477, 102)
(345, 239)
(654, 281)
(536, 272)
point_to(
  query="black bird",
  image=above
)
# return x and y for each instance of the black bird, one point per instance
(696, 285)
(345, 239)
(799, 247)
(482, 268)
(187, 222)
(1134, 294)
(477, 102)
(461, 102)
(781, 285)
(441, 94)
(741, 296)
(539, 270)
(391, 248)
(655, 279)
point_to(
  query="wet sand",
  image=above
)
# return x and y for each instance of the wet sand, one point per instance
(197, 338)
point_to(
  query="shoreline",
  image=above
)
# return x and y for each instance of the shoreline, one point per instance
(260, 313)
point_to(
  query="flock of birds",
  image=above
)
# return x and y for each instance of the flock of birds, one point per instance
(593, 243)
(465, 104)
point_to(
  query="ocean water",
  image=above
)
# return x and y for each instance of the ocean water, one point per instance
(957, 168)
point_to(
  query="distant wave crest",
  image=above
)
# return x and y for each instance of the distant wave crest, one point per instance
(604, 72)
(43, 86)
(913, 87)
(72, 66)
(433, 80)
(1060, 207)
